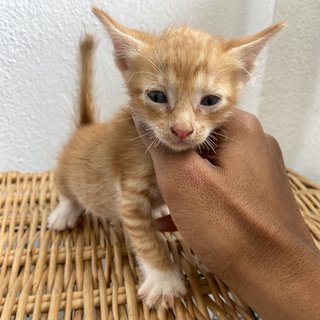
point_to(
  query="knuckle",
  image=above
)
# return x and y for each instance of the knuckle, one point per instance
(274, 144)
(250, 122)
(272, 140)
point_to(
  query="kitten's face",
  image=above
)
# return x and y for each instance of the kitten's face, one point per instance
(182, 86)
(184, 83)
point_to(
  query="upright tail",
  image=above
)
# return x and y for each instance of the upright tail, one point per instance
(86, 108)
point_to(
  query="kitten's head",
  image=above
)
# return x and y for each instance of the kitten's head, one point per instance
(184, 82)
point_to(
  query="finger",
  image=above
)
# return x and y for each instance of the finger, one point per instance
(275, 149)
(165, 224)
(239, 132)
(273, 143)
(239, 126)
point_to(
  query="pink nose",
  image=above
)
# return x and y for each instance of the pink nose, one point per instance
(181, 132)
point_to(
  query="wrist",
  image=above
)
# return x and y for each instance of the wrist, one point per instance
(283, 283)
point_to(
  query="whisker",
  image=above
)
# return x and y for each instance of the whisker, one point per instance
(225, 136)
(150, 146)
(213, 137)
(199, 147)
(206, 145)
(139, 136)
(210, 147)
(158, 143)
(211, 144)
(152, 135)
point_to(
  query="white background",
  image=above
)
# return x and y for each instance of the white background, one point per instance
(39, 69)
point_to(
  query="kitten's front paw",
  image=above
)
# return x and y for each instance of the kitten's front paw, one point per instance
(64, 216)
(162, 287)
(56, 222)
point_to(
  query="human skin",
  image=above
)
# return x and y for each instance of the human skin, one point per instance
(238, 214)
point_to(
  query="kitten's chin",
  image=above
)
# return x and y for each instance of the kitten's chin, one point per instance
(180, 146)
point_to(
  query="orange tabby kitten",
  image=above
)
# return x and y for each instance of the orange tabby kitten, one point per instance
(182, 84)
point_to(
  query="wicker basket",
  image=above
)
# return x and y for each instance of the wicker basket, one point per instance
(87, 273)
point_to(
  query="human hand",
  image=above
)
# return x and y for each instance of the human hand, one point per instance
(237, 212)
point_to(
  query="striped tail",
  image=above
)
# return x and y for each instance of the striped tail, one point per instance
(86, 108)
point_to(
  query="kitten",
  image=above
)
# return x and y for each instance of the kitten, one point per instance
(182, 84)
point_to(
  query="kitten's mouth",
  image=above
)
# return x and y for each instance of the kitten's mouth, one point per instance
(181, 145)
(177, 144)
(207, 146)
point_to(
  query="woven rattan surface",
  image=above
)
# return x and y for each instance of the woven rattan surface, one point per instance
(87, 273)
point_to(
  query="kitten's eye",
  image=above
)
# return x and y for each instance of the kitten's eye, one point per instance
(210, 100)
(157, 96)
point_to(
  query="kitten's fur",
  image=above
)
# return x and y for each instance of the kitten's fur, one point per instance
(105, 169)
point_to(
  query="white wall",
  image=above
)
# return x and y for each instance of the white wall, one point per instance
(290, 99)
(38, 70)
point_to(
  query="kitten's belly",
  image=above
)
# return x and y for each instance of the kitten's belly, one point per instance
(101, 199)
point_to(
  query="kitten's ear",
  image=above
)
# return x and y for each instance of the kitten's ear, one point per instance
(124, 41)
(246, 49)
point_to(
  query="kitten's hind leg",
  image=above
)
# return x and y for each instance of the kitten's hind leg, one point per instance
(65, 215)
